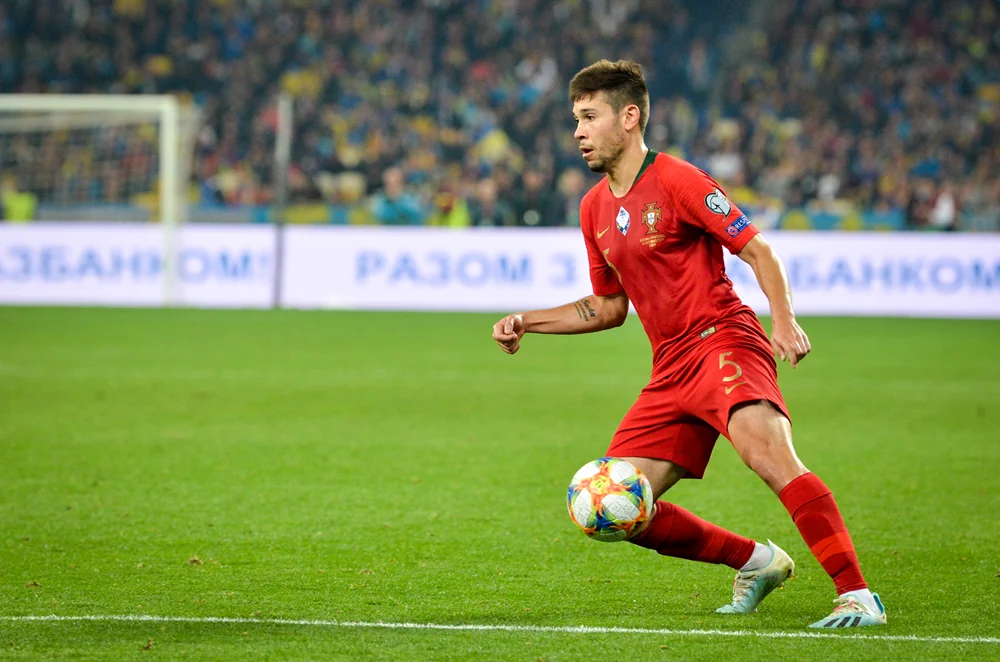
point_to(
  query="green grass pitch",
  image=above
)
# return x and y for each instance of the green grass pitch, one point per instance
(400, 468)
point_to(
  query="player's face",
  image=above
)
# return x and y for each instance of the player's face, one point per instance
(599, 132)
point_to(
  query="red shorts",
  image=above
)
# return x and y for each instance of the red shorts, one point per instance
(686, 406)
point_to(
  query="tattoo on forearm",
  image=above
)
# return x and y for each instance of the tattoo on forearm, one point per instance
(584, 310)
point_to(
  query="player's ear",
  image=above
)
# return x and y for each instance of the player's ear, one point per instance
(631, 119)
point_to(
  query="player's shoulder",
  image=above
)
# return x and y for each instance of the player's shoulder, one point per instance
(672, 171)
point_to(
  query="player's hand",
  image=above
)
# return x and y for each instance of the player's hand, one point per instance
(508, 331)
(789, 341)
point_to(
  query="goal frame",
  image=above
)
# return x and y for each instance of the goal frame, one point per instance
(165, 110)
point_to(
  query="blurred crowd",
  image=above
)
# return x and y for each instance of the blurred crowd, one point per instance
(886, 104)
(454, 112)
(443, 111)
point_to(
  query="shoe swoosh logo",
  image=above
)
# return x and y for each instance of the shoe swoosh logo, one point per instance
(601, 233)
(729, 389)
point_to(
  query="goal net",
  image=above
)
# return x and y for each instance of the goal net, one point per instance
(97, 158)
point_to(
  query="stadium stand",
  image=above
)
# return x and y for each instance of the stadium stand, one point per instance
(814, 113)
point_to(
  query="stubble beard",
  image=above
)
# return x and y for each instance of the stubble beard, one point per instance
(606, 164)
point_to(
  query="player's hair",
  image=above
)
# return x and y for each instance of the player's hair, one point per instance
(621, 82)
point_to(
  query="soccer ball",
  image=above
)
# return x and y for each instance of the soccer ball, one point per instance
(610, 500)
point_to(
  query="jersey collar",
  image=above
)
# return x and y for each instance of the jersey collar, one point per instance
(646, 162)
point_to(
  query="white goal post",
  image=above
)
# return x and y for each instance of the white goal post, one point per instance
(26, 120)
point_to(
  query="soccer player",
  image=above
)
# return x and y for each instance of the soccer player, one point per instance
(655, 228)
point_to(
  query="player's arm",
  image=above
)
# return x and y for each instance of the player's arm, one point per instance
(589, 314)
(706, 206)
(606, 308)
(787, 337)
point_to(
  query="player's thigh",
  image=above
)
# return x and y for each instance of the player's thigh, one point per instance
(736, 390)
(762, 436)
(672, 443)
(731, 372)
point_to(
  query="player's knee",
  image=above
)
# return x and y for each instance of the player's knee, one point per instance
(758, 452)
(662, 474)
(776, 464)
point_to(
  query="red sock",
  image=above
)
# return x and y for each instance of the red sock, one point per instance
(811, 505)
(677, 532)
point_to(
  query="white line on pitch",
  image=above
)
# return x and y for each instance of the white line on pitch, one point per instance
(582, 629)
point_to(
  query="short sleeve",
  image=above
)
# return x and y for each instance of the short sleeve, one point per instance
(704, 204)
(602, 276)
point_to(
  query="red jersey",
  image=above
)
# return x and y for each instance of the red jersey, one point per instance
(661, 244)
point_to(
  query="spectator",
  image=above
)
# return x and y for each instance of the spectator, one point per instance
(944, 209)
(486, 210)
(533, 206)
(394, 204)
(16, 204)
(450, 208)
(565, 204)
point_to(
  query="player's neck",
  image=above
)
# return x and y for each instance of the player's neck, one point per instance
(622, 176)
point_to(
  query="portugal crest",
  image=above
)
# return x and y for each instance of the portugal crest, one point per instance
(651, 215)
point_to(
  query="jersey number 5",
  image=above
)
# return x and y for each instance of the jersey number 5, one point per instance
(723, 362)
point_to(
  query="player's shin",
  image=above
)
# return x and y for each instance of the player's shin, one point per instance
(677, 532)
(815, 513)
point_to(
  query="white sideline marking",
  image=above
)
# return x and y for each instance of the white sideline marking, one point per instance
(582, 629)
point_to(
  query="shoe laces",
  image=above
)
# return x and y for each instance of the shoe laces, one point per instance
(849, 605)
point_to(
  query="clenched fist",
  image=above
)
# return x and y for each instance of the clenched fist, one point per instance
(508, 331)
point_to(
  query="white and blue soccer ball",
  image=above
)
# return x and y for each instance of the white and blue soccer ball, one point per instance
(610, 499)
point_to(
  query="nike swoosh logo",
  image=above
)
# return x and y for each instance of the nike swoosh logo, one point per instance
(729, 389)
(601, 233)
